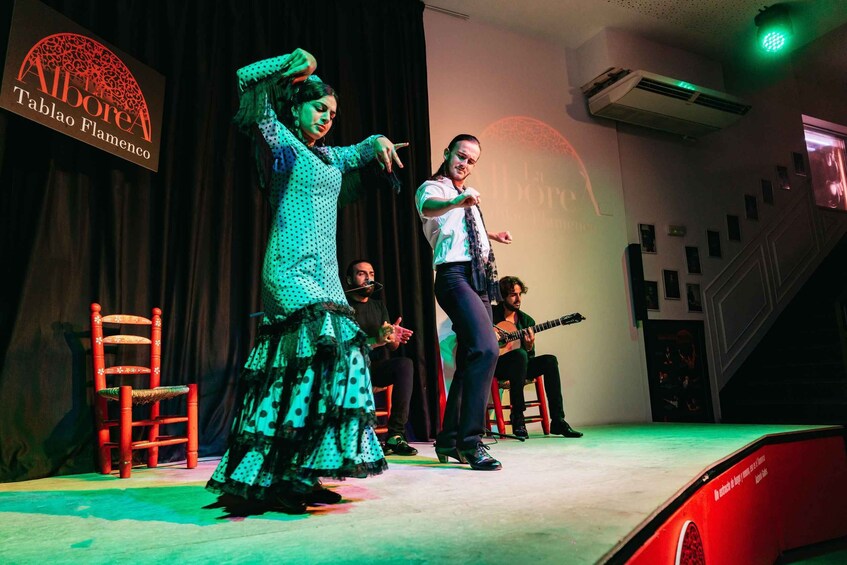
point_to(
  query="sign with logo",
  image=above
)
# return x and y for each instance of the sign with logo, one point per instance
(60, 75)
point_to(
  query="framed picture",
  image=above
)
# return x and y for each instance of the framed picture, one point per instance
(767, 191)
(751, 207)
(782, 178)
(799, 164)
(677, 372)
(671, 280)
(827, 156)
(651, 295)
(733, 228)
(714, 240)
(692, 259)
(695, 301)
(647, 233)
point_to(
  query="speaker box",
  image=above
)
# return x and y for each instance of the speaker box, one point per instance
(636, 281)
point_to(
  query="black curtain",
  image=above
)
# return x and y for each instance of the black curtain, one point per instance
(79, 225)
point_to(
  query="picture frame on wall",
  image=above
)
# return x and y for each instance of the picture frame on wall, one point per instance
(677, 371)
(671, 284)
(647, 237)
(799, 164)
(692, 260)
(751, 207)
(651, 295)
(827, 156)
(695, 299)
(713, 238)
(782, 177)
(767, 191)
(733, 228)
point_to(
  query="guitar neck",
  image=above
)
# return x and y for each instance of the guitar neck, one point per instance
(546, 325)
(564, 320)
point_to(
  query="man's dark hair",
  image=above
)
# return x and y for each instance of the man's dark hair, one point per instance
(442, 170)
(351, 271)
(508, 283)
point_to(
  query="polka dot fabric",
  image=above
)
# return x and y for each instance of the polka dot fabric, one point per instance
(306, 396)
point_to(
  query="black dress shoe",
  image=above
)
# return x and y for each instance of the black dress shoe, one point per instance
(321, 495)
(519, 430)
(561, 427)
(289, 503)
(444, 452)
(236, 506)
(479, 458)
(398, 446)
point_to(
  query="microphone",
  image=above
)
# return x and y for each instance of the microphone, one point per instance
(368, 283)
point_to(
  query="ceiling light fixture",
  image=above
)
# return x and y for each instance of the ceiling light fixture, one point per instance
(775, 28)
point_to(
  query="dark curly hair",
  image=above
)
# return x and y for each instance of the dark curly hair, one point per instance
(283, 96)
(294, 95)
(508, 283)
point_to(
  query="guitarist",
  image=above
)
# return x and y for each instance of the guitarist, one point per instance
(521, 363)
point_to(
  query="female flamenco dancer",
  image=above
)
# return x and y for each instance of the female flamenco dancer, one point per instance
(306, 403)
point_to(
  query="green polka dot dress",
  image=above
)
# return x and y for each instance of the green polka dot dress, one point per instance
(305, 393)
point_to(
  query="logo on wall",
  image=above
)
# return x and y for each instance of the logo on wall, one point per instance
(538, 174)
(59, 75)
(689, 548)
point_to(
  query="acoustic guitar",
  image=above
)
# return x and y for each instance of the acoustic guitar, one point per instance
(509, 336)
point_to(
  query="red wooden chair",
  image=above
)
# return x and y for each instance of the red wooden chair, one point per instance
(540, 402)
(127, 397)
(382, 413)
(442, 387)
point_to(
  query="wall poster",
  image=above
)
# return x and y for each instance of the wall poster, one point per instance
(677, 371)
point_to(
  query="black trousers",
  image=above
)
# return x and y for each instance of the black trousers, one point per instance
(476, 356)
(517, 367)
(397, 371)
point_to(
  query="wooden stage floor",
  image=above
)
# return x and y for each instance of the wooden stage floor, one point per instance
(556, 500)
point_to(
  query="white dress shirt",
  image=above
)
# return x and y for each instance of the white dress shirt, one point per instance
(447, 233)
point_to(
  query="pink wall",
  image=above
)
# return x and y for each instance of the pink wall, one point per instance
(551, 176)
(573, 189)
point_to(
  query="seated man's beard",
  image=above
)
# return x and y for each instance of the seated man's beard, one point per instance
(365, 291)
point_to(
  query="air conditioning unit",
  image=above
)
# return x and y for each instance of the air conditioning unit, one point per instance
(662, 103)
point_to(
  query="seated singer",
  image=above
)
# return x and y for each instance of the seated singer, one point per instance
(521, 364)
(371, 315)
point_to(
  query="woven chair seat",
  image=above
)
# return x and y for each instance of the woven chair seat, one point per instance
(146, 395)
(504, 383)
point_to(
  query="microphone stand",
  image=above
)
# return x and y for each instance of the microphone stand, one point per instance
(368, 284)
(491, 433)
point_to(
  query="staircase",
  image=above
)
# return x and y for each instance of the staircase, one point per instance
(798, 372)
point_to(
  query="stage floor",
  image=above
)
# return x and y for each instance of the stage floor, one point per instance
(556, 500)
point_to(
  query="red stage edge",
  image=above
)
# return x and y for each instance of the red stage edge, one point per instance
(780, 493)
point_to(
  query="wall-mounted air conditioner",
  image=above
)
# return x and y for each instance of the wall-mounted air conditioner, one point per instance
(661, 103)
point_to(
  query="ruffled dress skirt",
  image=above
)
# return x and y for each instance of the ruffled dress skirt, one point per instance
(307, 408)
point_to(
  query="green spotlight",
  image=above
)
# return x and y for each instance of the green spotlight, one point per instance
(775, 28)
